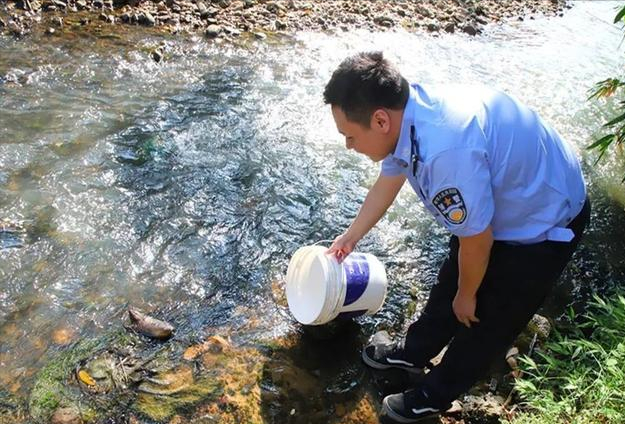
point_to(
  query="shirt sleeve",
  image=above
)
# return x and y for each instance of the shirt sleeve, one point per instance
(390, 167)
(460, 192)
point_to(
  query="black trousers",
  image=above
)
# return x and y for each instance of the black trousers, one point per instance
(517, 280)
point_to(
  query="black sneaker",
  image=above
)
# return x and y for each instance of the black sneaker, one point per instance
(382, 354)
(409, 407)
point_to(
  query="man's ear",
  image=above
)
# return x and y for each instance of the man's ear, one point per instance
(381, 121)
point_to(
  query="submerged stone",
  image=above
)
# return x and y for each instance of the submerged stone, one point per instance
(66, 416)
(12, 234)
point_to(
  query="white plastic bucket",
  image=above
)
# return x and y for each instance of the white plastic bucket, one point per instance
(319, 289)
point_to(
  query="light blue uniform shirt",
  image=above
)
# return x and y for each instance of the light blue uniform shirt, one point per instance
(483, 158)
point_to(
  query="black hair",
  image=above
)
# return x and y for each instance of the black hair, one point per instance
(363, 83)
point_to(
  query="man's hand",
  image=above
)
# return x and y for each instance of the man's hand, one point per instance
(342, 246)
(464, 308)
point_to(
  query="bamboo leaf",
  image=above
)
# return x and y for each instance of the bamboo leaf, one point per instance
(619, 15)
(601, 141)
(615, 120)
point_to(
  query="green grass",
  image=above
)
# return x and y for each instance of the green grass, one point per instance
(579, 378)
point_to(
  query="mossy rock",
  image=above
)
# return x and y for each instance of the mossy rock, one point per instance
(51, 390)
(213, 379)
(11, 408)
(56, 386)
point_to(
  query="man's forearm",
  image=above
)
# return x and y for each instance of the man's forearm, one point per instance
(473, 257)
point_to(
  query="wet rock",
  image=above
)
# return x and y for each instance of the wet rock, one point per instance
(214, 344)
(231, 31)
(384, 21)
(12, 234)
(432, 26)
(157, 55)
(53, 4)
(211, 12)
(98, 374)
(275, 7)
(537, 330)
(50, 31)
(227, 391)
(423, 11)
(450, 27)
(107, 18)
(539, 325)
(470, 29)
(66, 416)
(212, 31)
(363, 411)
(62, 336)
(146, 18)
(486, 408)
(168, 383)
(81, 4)
(292, 379)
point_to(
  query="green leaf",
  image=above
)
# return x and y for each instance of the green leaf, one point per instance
(619, 15)
(607, 139)
(615, 120)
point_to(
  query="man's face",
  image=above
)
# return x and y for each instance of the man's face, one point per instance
(372, 141)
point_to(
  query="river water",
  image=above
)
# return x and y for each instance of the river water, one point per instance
(183, 187)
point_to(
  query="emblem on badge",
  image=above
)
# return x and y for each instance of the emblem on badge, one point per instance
(450, 204)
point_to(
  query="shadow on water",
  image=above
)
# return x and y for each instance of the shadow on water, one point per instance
(319, 379)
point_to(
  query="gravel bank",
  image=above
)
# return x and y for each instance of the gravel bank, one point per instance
(230, 18)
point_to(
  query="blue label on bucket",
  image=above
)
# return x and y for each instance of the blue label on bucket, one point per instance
(351, 314)
(356, 277)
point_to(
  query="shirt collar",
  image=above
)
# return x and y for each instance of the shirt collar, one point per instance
(403, 150)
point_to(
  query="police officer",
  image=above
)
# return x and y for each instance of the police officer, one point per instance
(504, 184)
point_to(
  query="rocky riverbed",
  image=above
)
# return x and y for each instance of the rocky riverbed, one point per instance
(123, 376)
(230, 18)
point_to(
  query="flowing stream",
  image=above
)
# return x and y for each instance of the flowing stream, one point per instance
(183, 187)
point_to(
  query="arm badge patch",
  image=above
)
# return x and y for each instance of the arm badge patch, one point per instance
(450, 204)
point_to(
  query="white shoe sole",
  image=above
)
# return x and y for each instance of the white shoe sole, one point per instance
(378, 366)
(386, 409)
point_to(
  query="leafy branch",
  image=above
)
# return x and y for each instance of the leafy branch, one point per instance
(616, 125)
